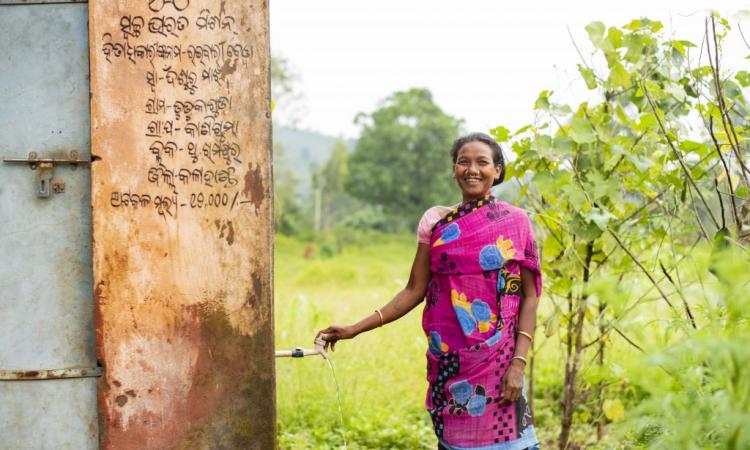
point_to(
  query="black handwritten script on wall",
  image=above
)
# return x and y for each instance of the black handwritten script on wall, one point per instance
(188, 57)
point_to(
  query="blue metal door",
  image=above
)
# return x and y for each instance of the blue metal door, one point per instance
(47, 355)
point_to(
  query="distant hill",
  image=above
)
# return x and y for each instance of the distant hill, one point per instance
(305, 149)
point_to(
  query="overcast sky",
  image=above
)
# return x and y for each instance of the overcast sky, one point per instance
(484, 60)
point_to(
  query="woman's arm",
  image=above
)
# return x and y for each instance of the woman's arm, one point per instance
(403, 302)
(513, 379)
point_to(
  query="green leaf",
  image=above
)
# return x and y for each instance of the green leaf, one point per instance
(563, 145)
(647, 122)
(613, 409)
(619, 77)
(641, 163)
(500, 133)
(596, 32)
(676, 91)
(542, 143)
(588, 76)
(542, 102)
(741, 192)
(560, 110)
(581, 131)
(699, 148)
(522, 129)
(614, 37)
(634, 25)
(600, 217)
(743, 77)
(584, 229)
(634, 43)
(544, 182)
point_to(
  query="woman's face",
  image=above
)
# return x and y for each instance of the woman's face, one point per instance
(475, 171)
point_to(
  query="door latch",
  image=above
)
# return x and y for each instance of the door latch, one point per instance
(45, 180)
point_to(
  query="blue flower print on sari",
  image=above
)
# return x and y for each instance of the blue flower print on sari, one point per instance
(476, 405)
(481, 311)
(468, 324)
(500, 283)
(494, 256)
(472, 316)
(437, 346)
(461, 391)
(449, 234)
(495, 338)
(467, 399)
(463, 312)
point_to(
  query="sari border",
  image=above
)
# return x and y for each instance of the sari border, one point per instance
(527, 440)
(462, 210)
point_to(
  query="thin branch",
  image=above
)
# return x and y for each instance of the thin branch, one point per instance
(721, 204)
(630, 341)
(698, 216)
(643, 269)
(726, 171)
(679, 156)
(723, 110)
(622, 157)
(739, 27)
(679, 292)
(580, 55)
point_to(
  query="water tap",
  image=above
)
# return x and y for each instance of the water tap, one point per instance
(299, 352)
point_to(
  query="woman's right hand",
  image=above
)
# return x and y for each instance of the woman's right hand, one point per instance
(333, 334)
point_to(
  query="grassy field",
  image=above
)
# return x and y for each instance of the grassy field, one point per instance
(381, 374)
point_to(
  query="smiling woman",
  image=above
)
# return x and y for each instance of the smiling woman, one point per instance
(477, 269)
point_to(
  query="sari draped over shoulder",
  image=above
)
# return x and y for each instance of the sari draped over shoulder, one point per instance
(470, 319)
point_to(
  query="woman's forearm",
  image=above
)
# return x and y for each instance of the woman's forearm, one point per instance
(403, 302)
(527, 313)
(527, 324)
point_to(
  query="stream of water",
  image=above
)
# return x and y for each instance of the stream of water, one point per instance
(338, 399)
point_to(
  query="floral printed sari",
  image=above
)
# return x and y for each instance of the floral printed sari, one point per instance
(470, 320)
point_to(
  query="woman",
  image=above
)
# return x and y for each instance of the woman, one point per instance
(478, 271)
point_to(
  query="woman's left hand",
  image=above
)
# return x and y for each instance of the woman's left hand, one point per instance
(513, 382)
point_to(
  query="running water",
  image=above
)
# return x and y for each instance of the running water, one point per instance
(338, 398)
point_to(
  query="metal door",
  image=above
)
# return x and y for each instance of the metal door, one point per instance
(47, 355)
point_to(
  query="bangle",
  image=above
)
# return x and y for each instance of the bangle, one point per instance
(521, 358)
(380, 314)
(531, 338)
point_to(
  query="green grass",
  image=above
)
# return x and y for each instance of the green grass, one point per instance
(381, 373)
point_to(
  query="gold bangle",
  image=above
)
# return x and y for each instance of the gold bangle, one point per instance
(531, 338)
(521, 358)
(380, 314)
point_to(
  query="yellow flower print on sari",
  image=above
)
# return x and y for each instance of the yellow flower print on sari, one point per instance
(474, 315)
(494, 256)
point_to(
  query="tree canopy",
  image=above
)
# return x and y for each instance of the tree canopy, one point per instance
(401, 162)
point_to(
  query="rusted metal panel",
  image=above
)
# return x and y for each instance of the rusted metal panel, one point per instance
(39, 2)
(46, 308)
(181, 194)
(50, 374)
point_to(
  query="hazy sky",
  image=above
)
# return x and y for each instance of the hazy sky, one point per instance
(484, 61)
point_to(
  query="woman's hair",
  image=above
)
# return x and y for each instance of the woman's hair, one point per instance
(497, 151)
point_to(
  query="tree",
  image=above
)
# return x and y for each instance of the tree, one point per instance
(288, 214)
(336, 203)
(624, 188)
(401, 161)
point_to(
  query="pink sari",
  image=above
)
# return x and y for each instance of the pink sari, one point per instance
(470, 319)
